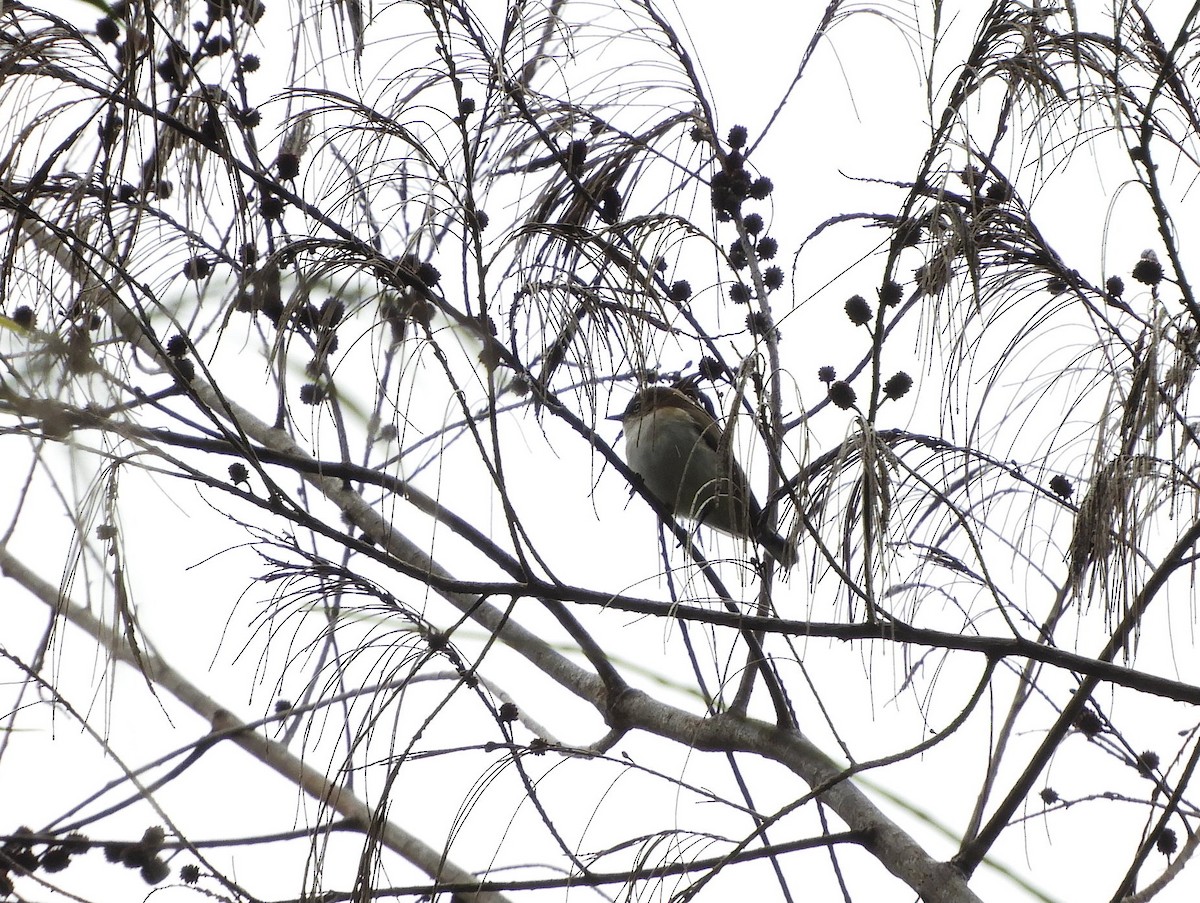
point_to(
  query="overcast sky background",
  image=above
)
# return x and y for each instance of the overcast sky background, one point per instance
(858, 114)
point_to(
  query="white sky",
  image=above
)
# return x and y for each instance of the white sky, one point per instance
(858, 113)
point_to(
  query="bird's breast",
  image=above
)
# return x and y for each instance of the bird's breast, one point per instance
(666, 450)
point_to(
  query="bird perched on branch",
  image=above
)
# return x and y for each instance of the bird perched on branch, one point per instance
(675, 445)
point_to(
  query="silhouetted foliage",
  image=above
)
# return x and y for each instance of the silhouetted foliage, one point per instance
(312, 318)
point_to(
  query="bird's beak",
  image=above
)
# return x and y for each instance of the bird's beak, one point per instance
(617, 417)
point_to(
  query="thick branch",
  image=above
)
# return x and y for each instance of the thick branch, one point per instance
(226, 726)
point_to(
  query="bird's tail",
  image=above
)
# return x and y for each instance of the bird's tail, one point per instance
(784, 552)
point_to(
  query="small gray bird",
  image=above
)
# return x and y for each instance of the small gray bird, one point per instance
(673, 444)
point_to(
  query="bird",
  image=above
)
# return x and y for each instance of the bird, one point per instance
(674, 444)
